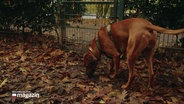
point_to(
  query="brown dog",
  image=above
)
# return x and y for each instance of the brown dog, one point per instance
(131, 36)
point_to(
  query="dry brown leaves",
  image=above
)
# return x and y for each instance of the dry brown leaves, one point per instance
(39, 65)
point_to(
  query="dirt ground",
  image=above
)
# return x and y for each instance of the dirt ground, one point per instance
(38, 65)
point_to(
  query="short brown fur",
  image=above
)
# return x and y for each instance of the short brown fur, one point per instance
(131, 37)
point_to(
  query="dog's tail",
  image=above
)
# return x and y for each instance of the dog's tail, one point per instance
(164, 30)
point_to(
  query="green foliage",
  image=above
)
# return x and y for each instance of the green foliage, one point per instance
(36, 15)
(170, 13)
(167, 13)
(40, 15)
(73, 9)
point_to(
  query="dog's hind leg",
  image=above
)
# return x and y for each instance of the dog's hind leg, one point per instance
(135, 46)
(149, 53)
(131, 63)
(150, 70)
(131, 59)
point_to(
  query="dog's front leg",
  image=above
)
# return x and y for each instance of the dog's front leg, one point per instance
(110, 65)
(116, 62)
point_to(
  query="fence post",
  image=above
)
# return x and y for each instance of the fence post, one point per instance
(115, 10)
(121, 10)
(59, 28)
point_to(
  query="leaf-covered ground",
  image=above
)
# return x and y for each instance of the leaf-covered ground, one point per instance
(37, 64)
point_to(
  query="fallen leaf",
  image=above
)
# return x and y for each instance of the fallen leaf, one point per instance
(101, 102)
(69, 87)
(169, 102)
(65, 80)
(1, 52)
(4, 95)
(180, 80)
(19, 52)
(135, 100)
(114, 100)
(73, 63)
(181, 90)
(23, 57)
(57, 52)
(174, 99)
(4, 82)
(84, 87)
(23, 70)
(28, 87)
(104, 79)
(123, 95)
(20, 49)
(44, 46)
(29, 102)
(48, 81)
(113, 93)
(6, 58)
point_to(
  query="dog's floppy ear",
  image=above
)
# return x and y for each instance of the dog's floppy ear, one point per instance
(85, 58)
(89, 57)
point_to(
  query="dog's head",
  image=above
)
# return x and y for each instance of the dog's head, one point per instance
(90, 62)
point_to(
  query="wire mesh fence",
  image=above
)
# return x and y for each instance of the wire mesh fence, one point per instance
(82, 27)
(169, 41)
